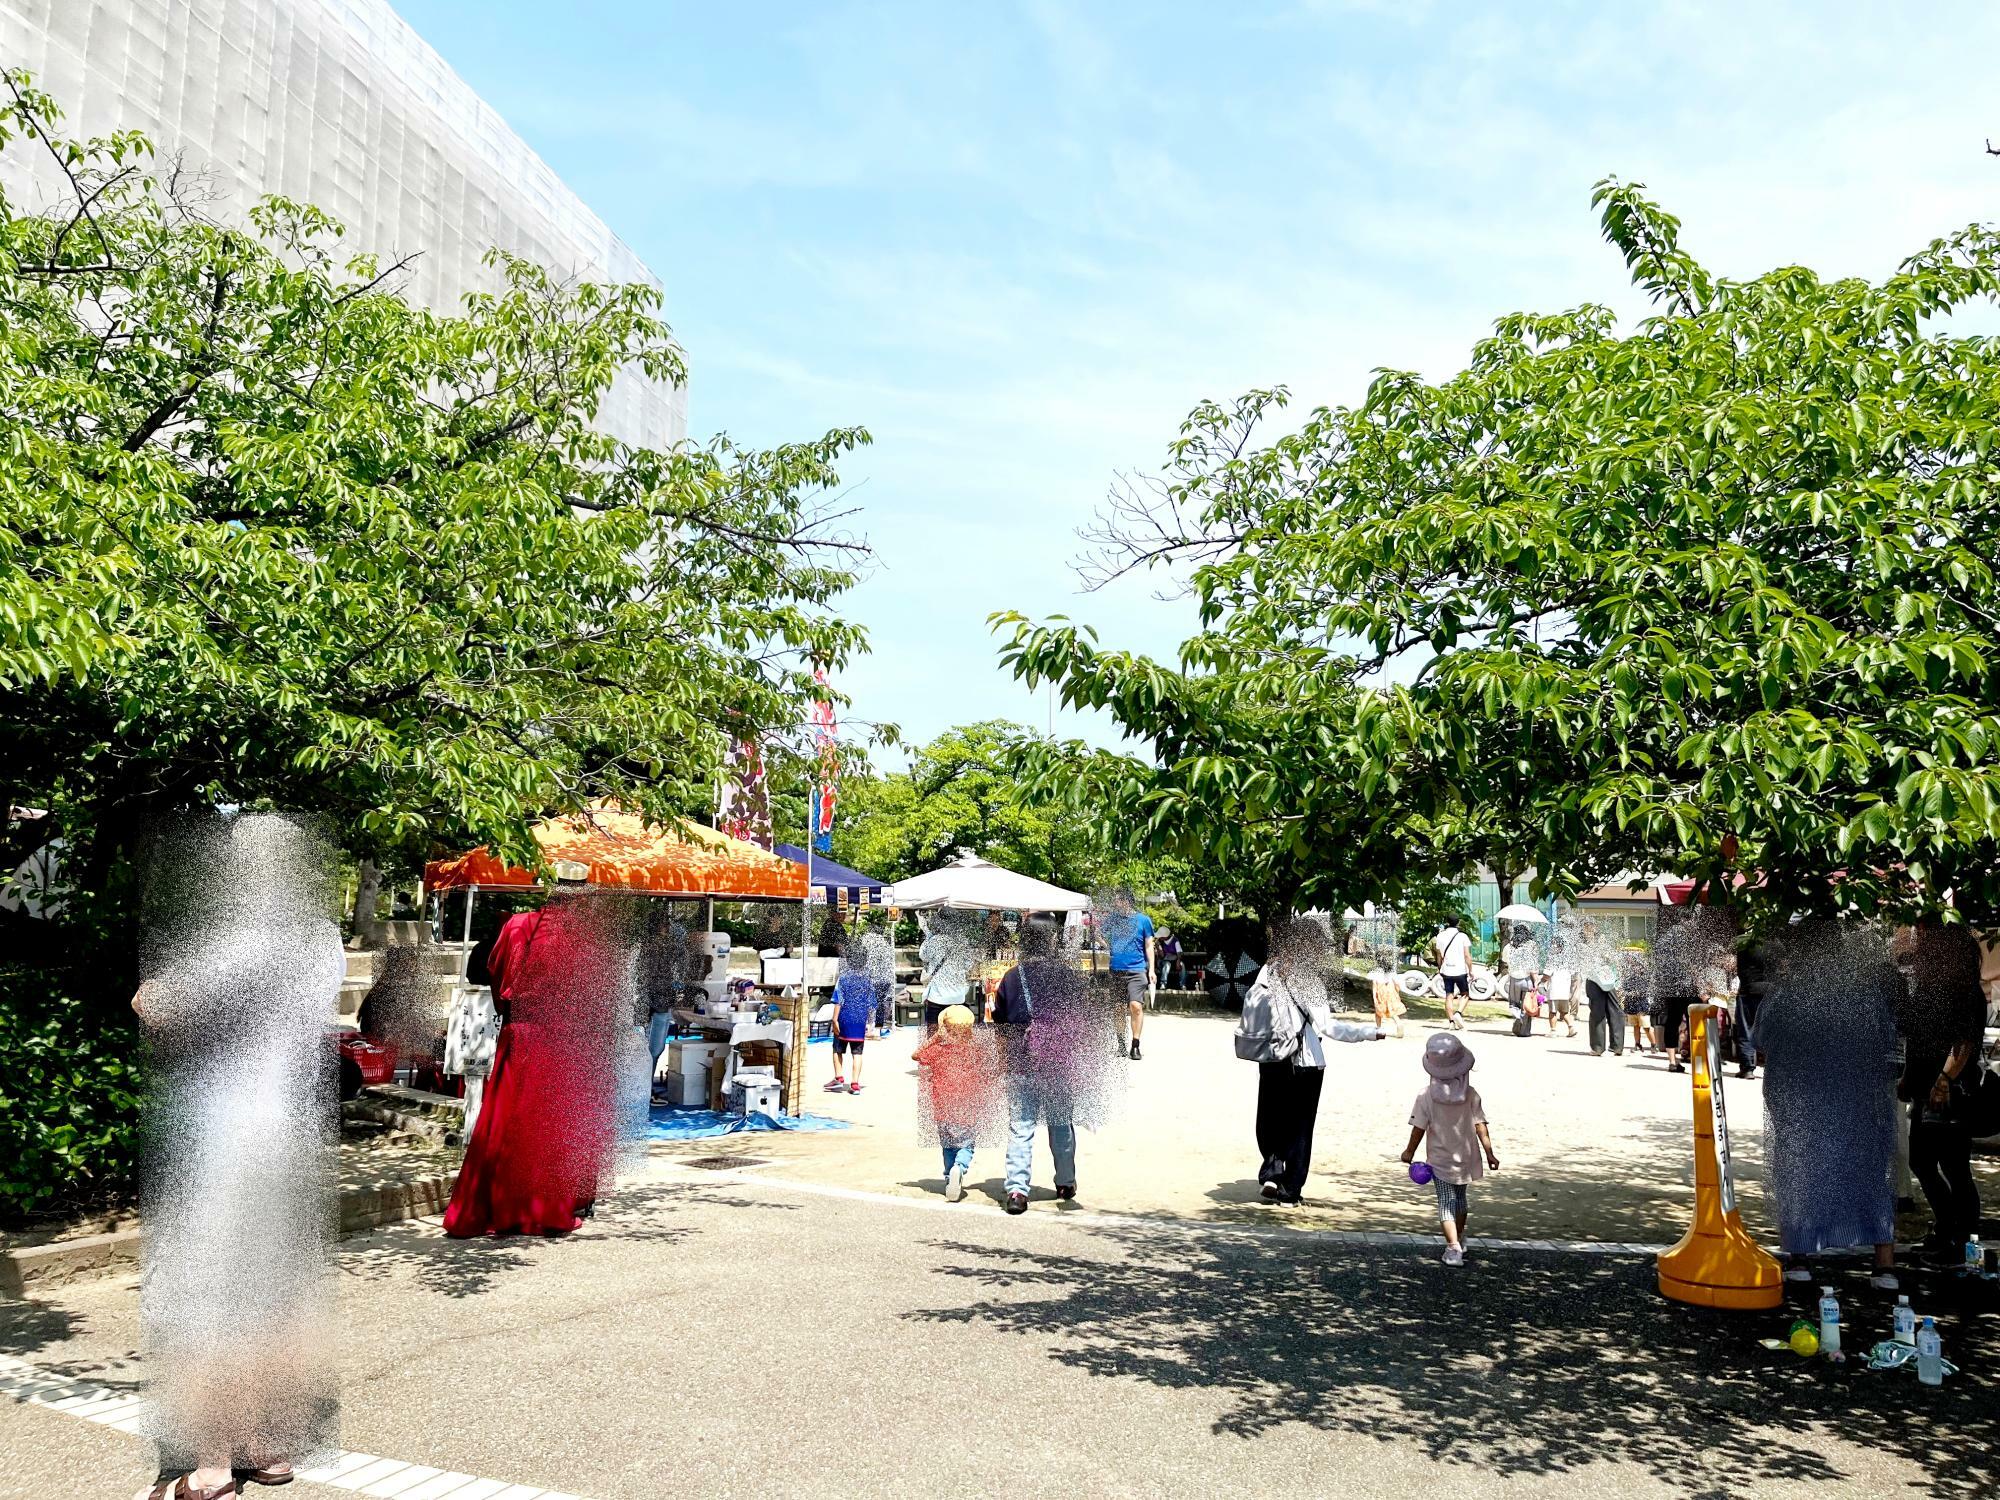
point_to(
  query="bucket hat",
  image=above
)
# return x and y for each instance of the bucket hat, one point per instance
(1445, 1056)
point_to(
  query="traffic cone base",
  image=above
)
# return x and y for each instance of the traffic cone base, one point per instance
(1716, 1264)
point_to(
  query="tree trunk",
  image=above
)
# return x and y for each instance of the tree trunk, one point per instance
(367, 904)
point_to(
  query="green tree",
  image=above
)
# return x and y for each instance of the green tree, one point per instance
(270, 531)
(1251, 790)
(961, 792)
(957, 794)
(1715, 593)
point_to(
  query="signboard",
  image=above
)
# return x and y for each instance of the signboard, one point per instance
(1715, 1064)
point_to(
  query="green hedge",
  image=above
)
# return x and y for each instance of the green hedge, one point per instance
(69, 1094)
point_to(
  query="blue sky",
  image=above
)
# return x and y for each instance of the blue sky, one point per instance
(1019, 241)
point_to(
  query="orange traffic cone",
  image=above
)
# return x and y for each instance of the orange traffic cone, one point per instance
(1716, 1264)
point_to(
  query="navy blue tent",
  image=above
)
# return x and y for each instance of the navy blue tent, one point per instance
(834, 883)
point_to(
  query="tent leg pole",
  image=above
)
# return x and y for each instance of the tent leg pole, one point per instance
(471, 891)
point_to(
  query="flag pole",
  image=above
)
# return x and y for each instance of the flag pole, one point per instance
(795, 1058)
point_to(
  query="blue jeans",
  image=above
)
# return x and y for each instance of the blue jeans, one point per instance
(657, 1029)
(1024, 1110)
(958, 1156)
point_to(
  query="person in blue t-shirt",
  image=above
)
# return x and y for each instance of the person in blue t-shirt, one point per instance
(1129, 935)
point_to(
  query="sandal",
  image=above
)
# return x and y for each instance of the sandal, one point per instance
(272, 1474)
(182, 1487)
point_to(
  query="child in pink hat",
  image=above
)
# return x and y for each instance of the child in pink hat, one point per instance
(1450, 1122)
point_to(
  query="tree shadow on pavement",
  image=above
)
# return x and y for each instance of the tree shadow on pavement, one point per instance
(1520, 1364)
(1634, 1190)
(27, 1328)
(38, 1332)
(445, 1267)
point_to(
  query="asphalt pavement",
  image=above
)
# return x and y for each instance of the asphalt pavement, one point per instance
(712, 1334)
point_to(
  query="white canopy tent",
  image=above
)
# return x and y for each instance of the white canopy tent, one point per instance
(972, 884)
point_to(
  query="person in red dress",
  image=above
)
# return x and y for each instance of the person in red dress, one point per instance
(545, 1133)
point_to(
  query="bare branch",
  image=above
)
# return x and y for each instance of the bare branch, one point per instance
(1140, 526)
(204, 367)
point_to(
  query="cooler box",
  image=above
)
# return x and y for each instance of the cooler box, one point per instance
(688, 1090)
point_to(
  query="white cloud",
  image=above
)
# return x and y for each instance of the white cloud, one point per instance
(1019, 244)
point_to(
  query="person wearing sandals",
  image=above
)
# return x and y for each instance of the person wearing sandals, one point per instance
(854, 995)
(1634, 999)
(240, 971)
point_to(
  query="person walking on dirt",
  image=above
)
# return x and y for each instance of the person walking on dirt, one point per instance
(1454, 956)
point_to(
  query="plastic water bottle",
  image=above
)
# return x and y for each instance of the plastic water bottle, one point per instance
(1906, 1321)
(1829, 1322)
(1975, 1256)
(1930, 1361)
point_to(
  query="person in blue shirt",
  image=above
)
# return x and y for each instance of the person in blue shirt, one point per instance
(1128, 933)
(854, 994)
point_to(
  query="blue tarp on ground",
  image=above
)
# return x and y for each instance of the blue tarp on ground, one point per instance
(670, 1124)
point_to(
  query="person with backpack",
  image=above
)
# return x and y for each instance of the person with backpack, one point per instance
(1286, 1019)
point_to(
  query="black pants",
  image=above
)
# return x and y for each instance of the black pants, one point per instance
(1287, 1107)
(1607, 1019)
(933, 1009)
(1941, 1156)
(1670, 1013)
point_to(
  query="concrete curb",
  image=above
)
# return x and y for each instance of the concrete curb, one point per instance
(64, 1261)
(363, 1206)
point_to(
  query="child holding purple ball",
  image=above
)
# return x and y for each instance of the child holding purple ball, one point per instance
(1450, 1122)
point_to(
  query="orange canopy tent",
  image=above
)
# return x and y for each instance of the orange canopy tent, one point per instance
(621, 851)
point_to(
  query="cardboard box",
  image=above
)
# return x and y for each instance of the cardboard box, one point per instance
(685, 1056)
(757, 1098)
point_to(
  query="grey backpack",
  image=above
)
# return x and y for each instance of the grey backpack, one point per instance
(1264, 1029)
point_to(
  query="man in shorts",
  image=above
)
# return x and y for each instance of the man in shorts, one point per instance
(1454, 955)
(1128, 933)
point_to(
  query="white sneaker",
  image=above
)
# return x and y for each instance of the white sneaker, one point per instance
(1453, 1256)
(954, 1185)
(1797, 1273)
(1885, 1281)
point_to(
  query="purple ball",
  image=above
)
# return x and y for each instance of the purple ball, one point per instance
(1420, 1172)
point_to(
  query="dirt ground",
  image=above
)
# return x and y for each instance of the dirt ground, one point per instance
(1591, 1148)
